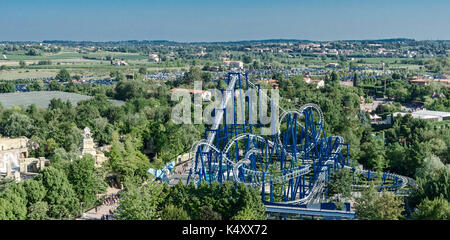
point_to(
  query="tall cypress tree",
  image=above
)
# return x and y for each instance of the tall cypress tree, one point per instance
(355, 80)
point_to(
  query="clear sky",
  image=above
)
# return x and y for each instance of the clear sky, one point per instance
(226, 20)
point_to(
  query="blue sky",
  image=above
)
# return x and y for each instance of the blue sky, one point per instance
(230, 20)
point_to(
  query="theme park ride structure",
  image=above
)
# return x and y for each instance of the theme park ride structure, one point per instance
(291, 165)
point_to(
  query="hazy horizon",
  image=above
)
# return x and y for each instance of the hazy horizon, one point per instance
(230, 41)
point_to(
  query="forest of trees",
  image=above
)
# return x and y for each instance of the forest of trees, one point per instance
(411, 147)
(142, 135)
(62, 191)
(189, 202)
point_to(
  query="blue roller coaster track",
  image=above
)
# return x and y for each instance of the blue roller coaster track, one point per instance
(291, 166)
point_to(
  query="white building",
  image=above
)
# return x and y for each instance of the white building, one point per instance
(120, 63)
(332, 65)
(427, 115)
(320, 83)
(153, 57)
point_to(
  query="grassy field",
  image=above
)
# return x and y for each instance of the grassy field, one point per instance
(27, 73)
(92, 63)
(97, 64)
(17, 56)
(42, 98)
(76, 69)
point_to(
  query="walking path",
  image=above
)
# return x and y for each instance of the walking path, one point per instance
(103, 212)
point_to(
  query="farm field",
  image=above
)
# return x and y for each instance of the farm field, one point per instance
(38, 72)
(69, 54)
(14, 74)
(78, 63)
(42, 98)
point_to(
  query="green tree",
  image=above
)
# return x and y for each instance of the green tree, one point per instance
(372, 206)
(256, 64)
(171, 212)
(38, 211)
(63, 76)
(117, 75)
(32, 52)
(221, 84)
(437, 209)
(432, 185)
(35, 191)
(207, 213)
(340, 186)
(102, 130)
(214, 201)
(13, 203)
(397, 156)
(85, 115)
(22, 64)
(56, 103)
(431, 163)
(52, 145)
(247, 59)
(54, 86)
(248, 213)
(35, 86)
(143, 70)
(128, 89)
(86, 183)
(334, 77)
(61, 198)
(207, 77)
(5, 183)
(373, 154)
(249, 204)
(194, 74)
(7, 87)
(141, 203)
(18, 124)
(355, 80)
(115, 158)
(126, 159)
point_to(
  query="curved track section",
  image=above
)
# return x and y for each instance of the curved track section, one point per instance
(291, 166)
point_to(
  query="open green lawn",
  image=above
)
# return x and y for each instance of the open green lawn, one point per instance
(77, 69)
(47, 56)
(14, 74)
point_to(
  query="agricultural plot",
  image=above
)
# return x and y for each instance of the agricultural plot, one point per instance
(14, 74)
(17, 56)
(42, 98)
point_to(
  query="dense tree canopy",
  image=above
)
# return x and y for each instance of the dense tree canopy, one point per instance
(211, 201)
(61, 197)
(141, 135)
(7, 87)
(86, 183)
(63, 76)
(340, 185)
(373, 206)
